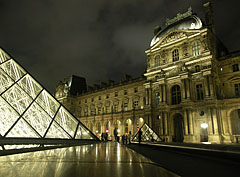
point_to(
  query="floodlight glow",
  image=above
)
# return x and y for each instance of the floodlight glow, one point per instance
(204, 125)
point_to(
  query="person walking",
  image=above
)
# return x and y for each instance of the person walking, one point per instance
(129, 137)
(115, 134)
(140, 136)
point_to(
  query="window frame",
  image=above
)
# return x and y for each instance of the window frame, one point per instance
(175, 55)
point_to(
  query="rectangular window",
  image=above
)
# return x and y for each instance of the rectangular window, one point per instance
(85, 100)
(115, 108)
(235, 67)
(107, 96)
(92, 112)
(92, 99)
(199, 89)
(116, 94)
(135, 90)
(107, 109)
(135, 104)
(125, 106)
(99, 98)
(125, 92)
(85, 111)
(237, 89)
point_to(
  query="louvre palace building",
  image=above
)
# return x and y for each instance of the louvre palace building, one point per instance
(190, 91)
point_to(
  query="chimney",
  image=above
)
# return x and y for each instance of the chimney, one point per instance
(209, 17)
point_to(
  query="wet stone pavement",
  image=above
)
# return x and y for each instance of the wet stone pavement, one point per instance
(104, 159)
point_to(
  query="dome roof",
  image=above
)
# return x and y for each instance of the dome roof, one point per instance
(191, 22)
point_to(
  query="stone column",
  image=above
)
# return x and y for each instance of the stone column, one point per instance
(188, 88)
(164, 93)
(209, 121)
(183, 90)
(215, 122)
(211, 86)
(165, 122)
(161, 124)
(160, 92)
(206, 86)
(150, 96)
(186, 122)
(191, 123)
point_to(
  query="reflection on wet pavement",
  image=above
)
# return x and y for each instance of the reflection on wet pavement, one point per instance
(103, 159)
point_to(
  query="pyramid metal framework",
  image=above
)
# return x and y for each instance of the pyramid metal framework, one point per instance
(27, 110)
(148, 135)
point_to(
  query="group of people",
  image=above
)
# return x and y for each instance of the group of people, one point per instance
(126, 138)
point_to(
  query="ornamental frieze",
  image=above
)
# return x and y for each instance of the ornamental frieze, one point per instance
(173, 37)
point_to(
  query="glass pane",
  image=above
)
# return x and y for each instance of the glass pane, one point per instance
(5, 81)
(7, 116)
(13, 69)
(29, 85)
(20, 146)
(48, 103)
(22, 129)
(17, 98)
(3, 56)
(66, 121)
(55, 131)
(82, 133)
(37, 118)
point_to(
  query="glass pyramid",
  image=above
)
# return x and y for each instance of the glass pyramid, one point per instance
(27, 110)
(148, 135)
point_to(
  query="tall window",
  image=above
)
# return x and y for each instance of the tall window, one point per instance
(135, 90)
(125, 92)
(176, 94)
(197, 68)
(157, 60)
(157, 98)
(125, 106)
(237, 89)
(196, 48)
(199, 89)
(116, 94)
(115, 108)
(235, 67)
(175, 55)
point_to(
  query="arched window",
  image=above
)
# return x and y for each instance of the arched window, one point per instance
(176, 94)
(175, 55)
(157, 60)
(196, 48)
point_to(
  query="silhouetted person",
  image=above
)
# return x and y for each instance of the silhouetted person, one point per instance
(140, 136)
(123, 138)
(129, 137)
(115, 134)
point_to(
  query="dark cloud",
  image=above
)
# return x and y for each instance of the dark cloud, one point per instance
(99, 39)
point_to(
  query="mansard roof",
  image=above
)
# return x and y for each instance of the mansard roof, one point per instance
(190, 22)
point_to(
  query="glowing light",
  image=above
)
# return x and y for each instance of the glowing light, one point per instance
(141, 120)
(204, 125)
(118, 130)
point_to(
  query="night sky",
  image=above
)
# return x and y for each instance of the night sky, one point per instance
(96, 39)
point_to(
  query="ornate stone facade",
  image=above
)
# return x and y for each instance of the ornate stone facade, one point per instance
(190, 92)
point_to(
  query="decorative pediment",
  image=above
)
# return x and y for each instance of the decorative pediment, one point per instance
(173, 36)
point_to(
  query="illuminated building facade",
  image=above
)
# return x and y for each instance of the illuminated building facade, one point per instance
(190, 92)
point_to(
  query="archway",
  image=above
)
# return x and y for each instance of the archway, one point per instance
(117, 125)
(98, 129)
(128, 125)
(178, 128)
(140, 122)
(235, 121)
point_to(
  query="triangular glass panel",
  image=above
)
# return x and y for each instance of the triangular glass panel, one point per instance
(48, 103)
(56, 131)
(8, 116)
(13, 69)
(17, 98)
(148, 135)
(3, 56)
(22, 129)
(37, 118)
(5, 81)
(82, 133)
(27, 110)
(66, 121)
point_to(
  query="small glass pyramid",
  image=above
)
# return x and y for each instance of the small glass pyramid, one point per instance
(27, 110)
(148, 135)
